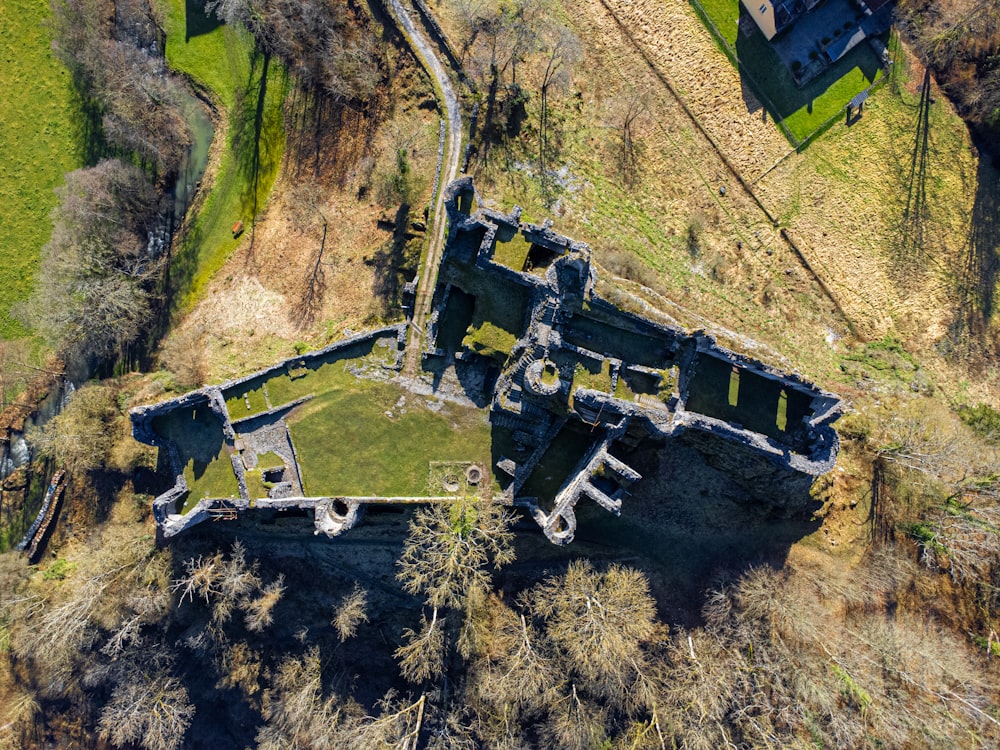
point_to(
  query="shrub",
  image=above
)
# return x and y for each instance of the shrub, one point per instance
(983, 419)
(796, 66)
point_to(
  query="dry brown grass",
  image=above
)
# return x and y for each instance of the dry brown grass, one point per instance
(676, 44)
(277, 290)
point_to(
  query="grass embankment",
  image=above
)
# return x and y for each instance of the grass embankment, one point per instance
(803, 110)
(249, 89)
(40, 140)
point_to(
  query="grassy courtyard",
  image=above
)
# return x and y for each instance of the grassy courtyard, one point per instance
(207, 468)
(377, 439)
(361, 436)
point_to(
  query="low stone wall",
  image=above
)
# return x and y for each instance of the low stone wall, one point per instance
(336, 346)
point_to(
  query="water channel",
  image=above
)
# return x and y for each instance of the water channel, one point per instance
(16, 452)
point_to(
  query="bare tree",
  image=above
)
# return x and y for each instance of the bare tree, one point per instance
(562, 50)
(184, 356)
(515, 676)
(422, 656)
(601, 621)
(350, 613)
(99, 267)
(230, 583)
(501, 38)
(298, 713)
(259, 610)
(450, 547)
(628, 111)
(136, 96)
(152, 711)
(80, 437)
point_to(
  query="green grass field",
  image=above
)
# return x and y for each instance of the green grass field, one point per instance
(347, 444)
(40, 141)
(802, 111)
(355, 436)
(250, 90)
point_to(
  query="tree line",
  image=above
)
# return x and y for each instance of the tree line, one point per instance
(961, 43)
(803, 656)
(100, 271)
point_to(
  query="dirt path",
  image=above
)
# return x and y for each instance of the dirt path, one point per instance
(448, 169)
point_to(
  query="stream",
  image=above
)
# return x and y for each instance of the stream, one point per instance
(197, 116)
(17, 453)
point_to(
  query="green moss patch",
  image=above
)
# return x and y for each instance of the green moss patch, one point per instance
(490, 341)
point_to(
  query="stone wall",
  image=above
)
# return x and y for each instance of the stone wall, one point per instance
(166, 506)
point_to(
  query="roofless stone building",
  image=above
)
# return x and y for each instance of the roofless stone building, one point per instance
(559, 370)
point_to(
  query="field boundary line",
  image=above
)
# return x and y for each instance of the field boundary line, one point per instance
(734, 58)
(662, 78)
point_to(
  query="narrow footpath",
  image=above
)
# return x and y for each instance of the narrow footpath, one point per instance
(449, 169)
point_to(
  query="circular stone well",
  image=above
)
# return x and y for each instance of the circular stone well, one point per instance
(474, 475)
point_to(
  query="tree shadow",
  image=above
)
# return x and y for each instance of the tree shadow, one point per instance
(311, 300)
(706, 509)
(395, 264)
(329, 140)
(911, 253)
(197, 21)
(88, 127)
(256, 134)
(979, 271)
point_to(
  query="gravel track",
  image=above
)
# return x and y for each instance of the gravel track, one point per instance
(448, 170)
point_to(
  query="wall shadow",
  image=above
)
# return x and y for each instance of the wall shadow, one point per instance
(317, 573)
(394, 263)
(705, 509)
